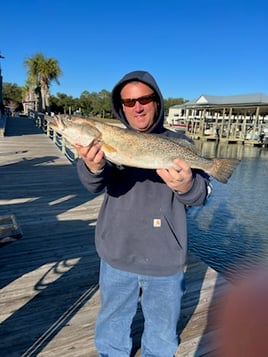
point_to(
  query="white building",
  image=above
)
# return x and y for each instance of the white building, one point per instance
(227, 116)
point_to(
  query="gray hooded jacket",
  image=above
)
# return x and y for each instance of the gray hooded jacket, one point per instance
(141, 226)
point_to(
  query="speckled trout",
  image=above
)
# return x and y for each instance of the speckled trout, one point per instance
(142, 150)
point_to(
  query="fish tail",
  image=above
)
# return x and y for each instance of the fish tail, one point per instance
(222, 169)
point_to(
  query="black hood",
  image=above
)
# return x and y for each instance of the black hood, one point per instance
(148, 79)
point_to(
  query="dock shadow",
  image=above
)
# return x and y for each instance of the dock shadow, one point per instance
(17, 126)
(55, 262)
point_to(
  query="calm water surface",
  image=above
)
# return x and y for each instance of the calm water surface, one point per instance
(231, 230)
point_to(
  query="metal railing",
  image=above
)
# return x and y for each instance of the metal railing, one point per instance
(63, 145)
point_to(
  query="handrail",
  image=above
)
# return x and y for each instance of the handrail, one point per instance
(64, 145)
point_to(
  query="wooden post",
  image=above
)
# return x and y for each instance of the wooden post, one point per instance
(217, 129)
(243, 133)
(256, 121)
(229, 122)
(222, 123)
(236, 126)
(54, 136)
(202, 122)
(63, 145)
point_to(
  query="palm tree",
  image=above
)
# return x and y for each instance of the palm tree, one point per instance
(41, 72)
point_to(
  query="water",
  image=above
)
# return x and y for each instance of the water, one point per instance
(231, 230)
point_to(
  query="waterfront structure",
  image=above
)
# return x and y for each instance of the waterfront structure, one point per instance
(237, 117)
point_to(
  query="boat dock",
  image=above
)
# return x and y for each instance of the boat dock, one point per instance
(239, 119)
(48, 264)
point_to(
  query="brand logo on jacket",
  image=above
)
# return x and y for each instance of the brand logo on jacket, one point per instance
(157, 222)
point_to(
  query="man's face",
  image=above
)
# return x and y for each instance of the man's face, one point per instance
(139, 116)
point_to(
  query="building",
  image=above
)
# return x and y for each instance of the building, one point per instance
(237, 117)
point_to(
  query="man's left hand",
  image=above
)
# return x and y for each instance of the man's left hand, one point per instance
(178, 178)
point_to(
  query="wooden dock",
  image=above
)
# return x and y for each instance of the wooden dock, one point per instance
(49, 277)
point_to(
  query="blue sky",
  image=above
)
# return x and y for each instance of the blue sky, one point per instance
(192, 47)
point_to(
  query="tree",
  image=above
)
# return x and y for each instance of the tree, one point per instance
(63, 103)
(12, 96)
(172, 101)
(105, 99)
(12, 91)
(85, 101)
(101, 103)
(41, 72)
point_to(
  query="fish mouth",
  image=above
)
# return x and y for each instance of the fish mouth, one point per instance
(55, 122)
(51, 120)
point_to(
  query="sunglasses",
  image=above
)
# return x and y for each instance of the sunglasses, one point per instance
(146, 99)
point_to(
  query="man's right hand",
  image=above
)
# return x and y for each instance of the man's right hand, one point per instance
(92, 156)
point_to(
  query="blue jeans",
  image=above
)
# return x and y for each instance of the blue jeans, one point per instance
(161, 304)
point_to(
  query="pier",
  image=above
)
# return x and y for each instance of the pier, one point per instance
(49, 268)
(240, 119)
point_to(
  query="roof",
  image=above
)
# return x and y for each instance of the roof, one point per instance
(256, 98)
(242, 99)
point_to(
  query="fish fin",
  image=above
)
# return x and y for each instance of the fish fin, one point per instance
(108, 148)
(188, 145)
(222, 169)
(185, 143)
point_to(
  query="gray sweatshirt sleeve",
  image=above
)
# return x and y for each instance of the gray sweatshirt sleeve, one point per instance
(198, 194)
(94, 183)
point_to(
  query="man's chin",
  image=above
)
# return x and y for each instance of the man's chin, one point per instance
(143, 127)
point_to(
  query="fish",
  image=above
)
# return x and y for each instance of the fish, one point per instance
(123, 146)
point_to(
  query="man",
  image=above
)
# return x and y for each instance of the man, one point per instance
(141, 234)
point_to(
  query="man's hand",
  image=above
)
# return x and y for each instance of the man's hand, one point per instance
(178, 179)
(92, 156)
